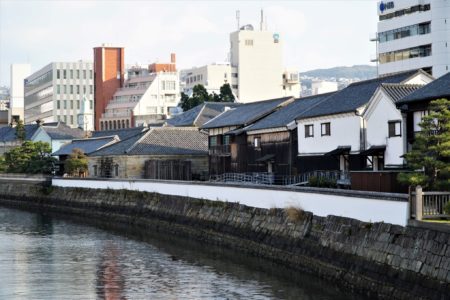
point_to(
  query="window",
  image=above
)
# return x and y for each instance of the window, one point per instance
(213, 141)
(235, 86)
(84, 90)
(248, 42)
(71, 89)
(421, 51)
(71, 74)
(234, 75)
(64, 74)
(95, 170)
(226, 140)
(58, 89)
(78, 104)
(71, 120)
(58, 75)
(78, 89)
(325, 129)
(116, 170)
(58, 104)
(65, 119)
(90, 74)
(78, 74)
(65, 89)
(91, 103)
(309, 131)
(71, 104)
(84, 74)
(395, 128)
(91, 89)
(65, 104)
(257, 142)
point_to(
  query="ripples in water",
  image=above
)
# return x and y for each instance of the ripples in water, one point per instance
(42, 257)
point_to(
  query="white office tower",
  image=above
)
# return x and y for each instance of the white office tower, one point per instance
(16, 103)
(414, 34)
(55, 93)
(211, 76)
(257, 71)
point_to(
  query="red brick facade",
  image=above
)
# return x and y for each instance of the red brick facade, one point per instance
(109, 72)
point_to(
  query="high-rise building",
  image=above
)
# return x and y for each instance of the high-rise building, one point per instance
(257, 71)
(211, 76)
(109, 69)
(16, 103)
(55, 92)
(413, 34)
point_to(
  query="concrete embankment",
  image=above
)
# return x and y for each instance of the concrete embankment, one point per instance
(382, 260)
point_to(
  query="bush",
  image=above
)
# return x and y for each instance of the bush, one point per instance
(295, 214)
(315, 181)
(447, 208)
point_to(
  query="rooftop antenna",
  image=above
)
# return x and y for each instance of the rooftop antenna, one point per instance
(261, 24)
(237, 18)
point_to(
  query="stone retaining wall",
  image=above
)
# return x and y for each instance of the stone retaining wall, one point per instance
(382, 260)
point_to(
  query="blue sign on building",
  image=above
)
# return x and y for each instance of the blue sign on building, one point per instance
(387, 5)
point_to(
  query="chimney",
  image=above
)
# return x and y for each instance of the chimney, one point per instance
(172, 58)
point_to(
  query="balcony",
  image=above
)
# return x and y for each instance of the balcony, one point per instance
(220, 150)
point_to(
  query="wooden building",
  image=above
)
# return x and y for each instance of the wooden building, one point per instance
(228, 143)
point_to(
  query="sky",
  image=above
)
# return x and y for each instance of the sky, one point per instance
(316, 34)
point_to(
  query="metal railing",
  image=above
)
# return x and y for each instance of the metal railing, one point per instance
(428, 204)
(339, 177)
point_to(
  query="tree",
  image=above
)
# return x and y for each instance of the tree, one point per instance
(77, 163)
(226, 94)
(31, 158)
(20, 130)
(199, 96)
(430, 155)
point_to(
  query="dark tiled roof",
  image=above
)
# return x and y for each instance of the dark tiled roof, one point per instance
(86, 145)
(119, 148)
(8, 134)
(354, 96)
(60, 131)
(399, 91)
(289, 113)
(121, 133)
(245, 113)
(171, 141)
(199, 115)
(439, 88)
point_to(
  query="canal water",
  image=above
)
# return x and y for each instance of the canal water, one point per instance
(44, 257)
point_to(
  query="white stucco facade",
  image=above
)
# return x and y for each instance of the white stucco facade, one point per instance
(344, 131)
(379, 113)
(414, 34)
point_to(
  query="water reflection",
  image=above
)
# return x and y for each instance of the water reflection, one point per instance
(46, 258)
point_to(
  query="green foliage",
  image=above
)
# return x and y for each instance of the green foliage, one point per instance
(200, 95)
(20, 130)
(77, 163)
(447, 208)
(430, 155)
(316, 181)
(31, 158)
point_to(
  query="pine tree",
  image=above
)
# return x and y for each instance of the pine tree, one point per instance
(20, 131)
(430, 155)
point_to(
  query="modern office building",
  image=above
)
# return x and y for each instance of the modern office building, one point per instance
(413, 34)
(16, 104)
(147, 97)
(55, 93)
(257, 71)
(109, 76)
(211, 76)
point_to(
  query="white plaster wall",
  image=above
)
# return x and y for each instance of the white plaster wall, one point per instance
(364, 209)
(345, 131)
(382, 111)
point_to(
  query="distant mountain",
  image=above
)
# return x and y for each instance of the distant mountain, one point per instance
(358, 71)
